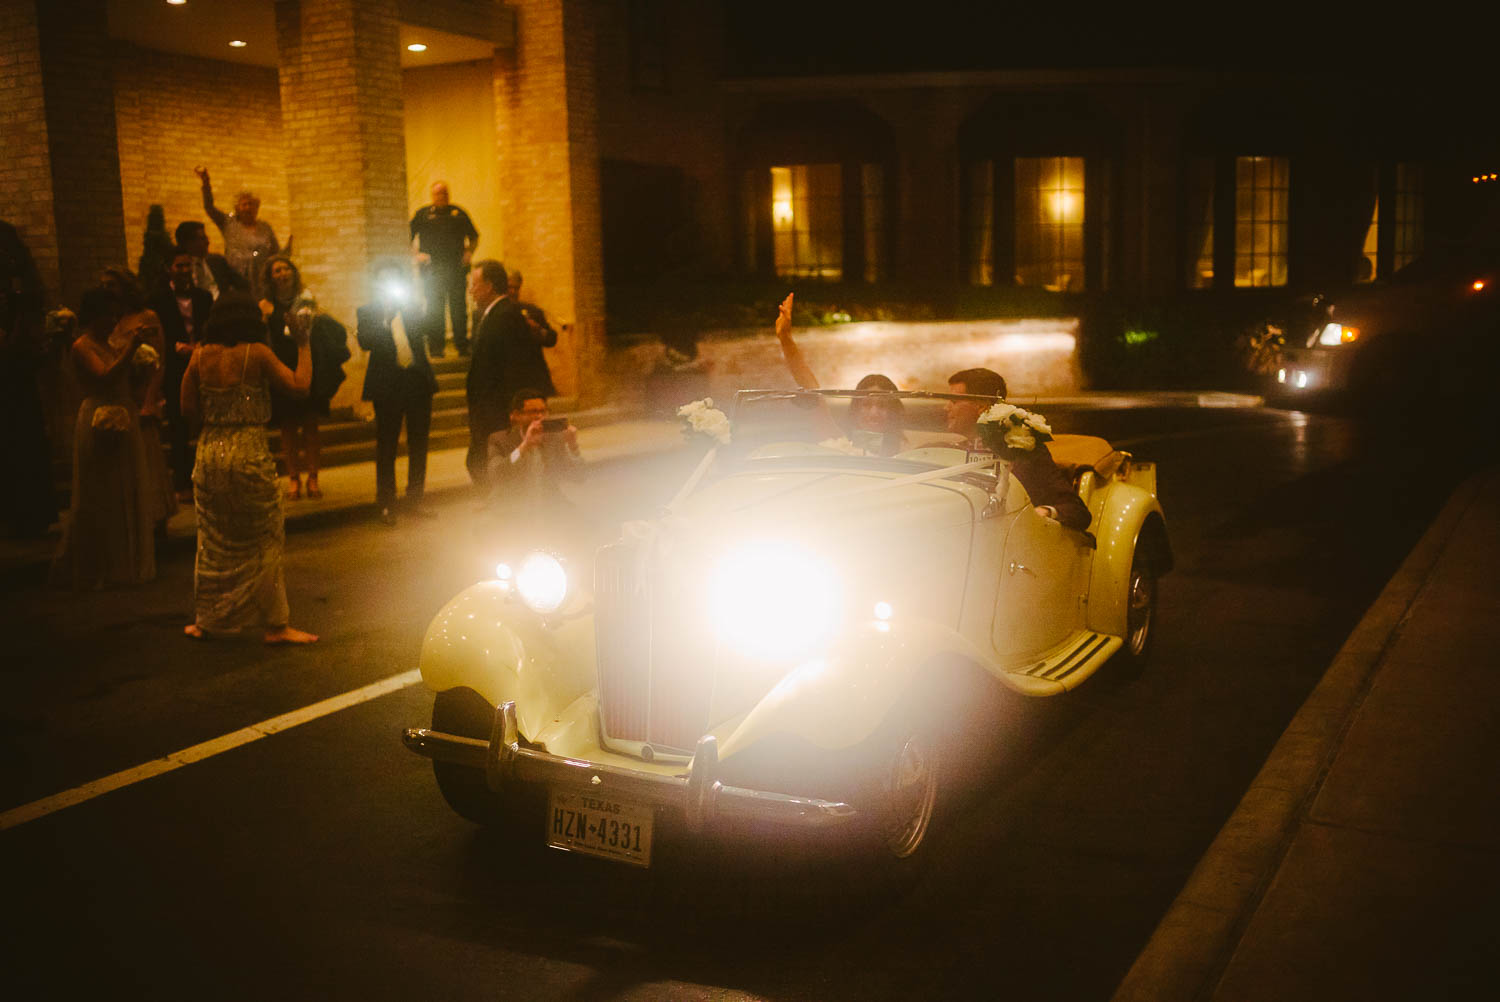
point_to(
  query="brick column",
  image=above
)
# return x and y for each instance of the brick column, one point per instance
(341, 113)
(546, 123)
(60, 174)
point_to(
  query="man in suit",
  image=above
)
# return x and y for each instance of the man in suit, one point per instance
(400, 383)
(183, 310)
(211, 272)
(527, 463)
(493, 374)
(1051, 494)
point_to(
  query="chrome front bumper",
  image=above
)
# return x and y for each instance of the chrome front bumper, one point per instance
(699, 795)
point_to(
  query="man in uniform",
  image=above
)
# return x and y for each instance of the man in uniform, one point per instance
(445, 239)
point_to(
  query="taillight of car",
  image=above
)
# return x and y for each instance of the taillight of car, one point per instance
(1479, 285)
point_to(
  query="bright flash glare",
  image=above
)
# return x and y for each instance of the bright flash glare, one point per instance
(1281, 375)
(542, 582)
(394, 291)
(772, 600)
(1478, 285)
(883, 611)
(1301, 380)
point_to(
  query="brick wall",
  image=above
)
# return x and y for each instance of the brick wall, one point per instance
(682, 124)
(546, 132)
(340, 78)
(69, 43)
(178, 112)
(26, 167)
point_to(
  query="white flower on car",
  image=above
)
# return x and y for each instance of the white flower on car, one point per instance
(1008, 428)
(843, 445)
(703, 418)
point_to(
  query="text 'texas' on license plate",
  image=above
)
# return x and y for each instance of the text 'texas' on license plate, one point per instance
(580, 821)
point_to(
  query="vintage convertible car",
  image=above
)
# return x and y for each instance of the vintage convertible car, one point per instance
(785, 652)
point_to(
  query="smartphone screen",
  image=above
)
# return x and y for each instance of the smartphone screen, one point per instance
(554, 424)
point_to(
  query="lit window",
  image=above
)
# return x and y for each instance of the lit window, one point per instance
(1369, 265)
(1261, 187)
(1200, 214)
(1049, 223)
(1408, 221)
(872, 181)
(981, 222)
(807, 223)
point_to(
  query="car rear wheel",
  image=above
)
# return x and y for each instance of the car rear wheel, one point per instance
(1140, 612)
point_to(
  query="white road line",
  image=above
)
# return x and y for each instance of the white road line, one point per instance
(207, 749)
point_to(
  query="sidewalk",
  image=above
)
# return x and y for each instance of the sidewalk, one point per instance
(1364, 860)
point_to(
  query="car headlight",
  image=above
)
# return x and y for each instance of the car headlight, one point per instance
(1336, 334)
(773, 600)
(542, 582)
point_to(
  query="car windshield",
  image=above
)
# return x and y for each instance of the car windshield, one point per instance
(852, 422)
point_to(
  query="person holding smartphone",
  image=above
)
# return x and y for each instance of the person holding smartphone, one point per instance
(528, 460)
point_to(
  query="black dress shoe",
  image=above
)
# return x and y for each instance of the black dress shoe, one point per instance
(387, 517)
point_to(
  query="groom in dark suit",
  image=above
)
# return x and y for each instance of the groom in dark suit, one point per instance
(400, 383)
(493, 374)
(183, 309)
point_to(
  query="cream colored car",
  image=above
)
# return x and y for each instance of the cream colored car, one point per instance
(784, 651)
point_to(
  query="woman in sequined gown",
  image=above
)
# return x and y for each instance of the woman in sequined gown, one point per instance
(237, 579)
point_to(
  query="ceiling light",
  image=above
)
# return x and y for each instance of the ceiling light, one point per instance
(176, 3)
(416, 47)
(238, 44)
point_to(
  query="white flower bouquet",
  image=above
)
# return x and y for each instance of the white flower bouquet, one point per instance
(145, 357)
(843, 445)
(702, 418)
(1006, 429)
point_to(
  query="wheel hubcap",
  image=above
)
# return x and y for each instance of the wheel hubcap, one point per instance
(1142, 605)
(912, 796)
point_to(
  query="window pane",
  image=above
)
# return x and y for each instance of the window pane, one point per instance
(981, 222)
(1260, 236)
(1049, 200)
(807, 220)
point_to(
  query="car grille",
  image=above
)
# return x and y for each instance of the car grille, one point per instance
(655, 663)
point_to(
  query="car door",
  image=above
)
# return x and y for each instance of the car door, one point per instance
(1043, 579)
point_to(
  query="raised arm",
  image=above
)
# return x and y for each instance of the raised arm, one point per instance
(795, 363)
(93, 369)
(216, 214)
(293, 384)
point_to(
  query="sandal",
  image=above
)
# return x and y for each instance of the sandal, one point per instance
(313, 490)
(294, 492)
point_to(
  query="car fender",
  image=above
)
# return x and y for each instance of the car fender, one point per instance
(1118, 529)
(839, 699)
(485, 639)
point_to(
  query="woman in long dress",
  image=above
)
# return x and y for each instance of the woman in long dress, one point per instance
(146, 375)
(107, 535)
(290, 305)
(238, 580)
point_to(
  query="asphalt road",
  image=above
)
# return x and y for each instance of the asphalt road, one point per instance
(320, 862)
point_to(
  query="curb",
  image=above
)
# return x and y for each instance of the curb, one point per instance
(1196, 938)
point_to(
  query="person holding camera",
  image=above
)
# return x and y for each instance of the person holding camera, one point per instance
(400, 383)
(528, 459)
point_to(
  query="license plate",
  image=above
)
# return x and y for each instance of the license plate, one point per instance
(581, 821)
